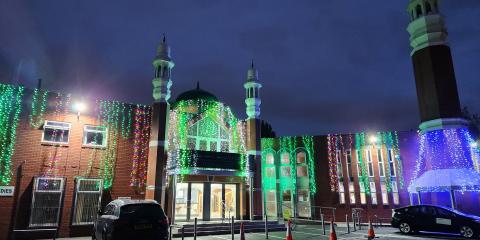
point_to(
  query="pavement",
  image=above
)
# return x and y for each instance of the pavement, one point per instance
(311, 232)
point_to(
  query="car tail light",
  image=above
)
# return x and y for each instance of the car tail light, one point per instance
(163, 221)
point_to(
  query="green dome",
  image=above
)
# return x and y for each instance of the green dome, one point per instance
(196, 94)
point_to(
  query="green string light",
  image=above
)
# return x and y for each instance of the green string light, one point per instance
(308, 144)
(10, 108)
(38, 107)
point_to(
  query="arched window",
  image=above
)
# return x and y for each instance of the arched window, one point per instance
(285, 158)
(208, 135)
(419, 11)
(428, 8)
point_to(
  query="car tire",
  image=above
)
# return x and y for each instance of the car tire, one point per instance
(467, 232)
(405, 228)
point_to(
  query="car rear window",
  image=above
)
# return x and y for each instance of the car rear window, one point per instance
(142, 211)
(411, 209)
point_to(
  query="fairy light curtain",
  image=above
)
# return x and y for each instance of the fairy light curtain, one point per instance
(55, 152)
(10, 107)
(337, 144)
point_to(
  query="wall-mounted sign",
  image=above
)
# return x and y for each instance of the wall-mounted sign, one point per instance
(6, 191)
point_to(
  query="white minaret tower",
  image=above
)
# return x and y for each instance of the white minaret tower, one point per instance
(252, 99)
(163, 65)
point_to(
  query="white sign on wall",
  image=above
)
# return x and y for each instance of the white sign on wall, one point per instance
(6, 191)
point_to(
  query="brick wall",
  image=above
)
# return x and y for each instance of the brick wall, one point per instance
(31, 159)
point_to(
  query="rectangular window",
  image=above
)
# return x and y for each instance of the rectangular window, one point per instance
(203, 145)
(56, 132)
(339, 164)
(224, 146)
(351, 189)
(46, 202)
(370, 163)
(301, 157)
(381, 167)
(213, 146)
(271, 203)
(87, 200)
(287, 196)
(270, 160)
(285, 171)
(391, 160)
(383, 188)
(302, 171)
(349, 164)
(373, 193)
(270, 171)
(191, 143)
(285, 158)
(396, 198)
(95, 136)
(363, 196)
(341, 193)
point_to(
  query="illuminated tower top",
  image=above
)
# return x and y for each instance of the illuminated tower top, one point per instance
(435, 80)
(163, 65)
(252, 87)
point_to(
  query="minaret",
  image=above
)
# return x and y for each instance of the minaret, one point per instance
(252, 100)
(163, 66)
(157, 156)
(433, 67)
(445, 139)
(252, 87)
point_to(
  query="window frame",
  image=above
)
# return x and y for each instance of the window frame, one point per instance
(45, 124)
(77, 191)
(105, 136)
(381, 163)
(391, 162)
(349, 161)
(371, 173)
(36, 181)
(373, 193)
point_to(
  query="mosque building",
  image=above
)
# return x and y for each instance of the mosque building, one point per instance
(61, 161)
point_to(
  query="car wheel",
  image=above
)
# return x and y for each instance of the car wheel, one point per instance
(467, 232)
(405, 228)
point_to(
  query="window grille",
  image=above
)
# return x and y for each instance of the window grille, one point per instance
(88, 193)
(56, 132)
(95, 136)
(46, 201)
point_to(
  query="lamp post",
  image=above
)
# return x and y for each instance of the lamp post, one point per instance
(79, 107)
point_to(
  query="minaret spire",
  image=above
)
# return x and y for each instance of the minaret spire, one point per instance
(163, 65)
(252, 87)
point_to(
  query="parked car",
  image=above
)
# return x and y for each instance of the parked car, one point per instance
(131, 219)
(433, 218)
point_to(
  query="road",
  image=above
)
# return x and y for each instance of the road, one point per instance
(315, 232)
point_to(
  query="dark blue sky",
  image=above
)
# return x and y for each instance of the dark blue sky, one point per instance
(326, 66)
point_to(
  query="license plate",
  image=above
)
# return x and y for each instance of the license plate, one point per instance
(143, 226)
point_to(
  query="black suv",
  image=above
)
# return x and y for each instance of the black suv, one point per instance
(131, 219)
(433, 218)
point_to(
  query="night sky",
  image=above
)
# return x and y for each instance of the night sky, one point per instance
(326, 66)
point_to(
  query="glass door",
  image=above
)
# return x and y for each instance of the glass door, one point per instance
(181, 201)
(196, 201)
(216, 201)
(230, 200)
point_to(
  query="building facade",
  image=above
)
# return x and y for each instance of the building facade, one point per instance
(63, 158)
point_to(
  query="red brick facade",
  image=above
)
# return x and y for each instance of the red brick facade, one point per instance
(31, 160)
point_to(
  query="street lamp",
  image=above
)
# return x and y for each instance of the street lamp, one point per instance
(79, 107)
(373, 139)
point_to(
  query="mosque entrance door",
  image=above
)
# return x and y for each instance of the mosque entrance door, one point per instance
(206, 201)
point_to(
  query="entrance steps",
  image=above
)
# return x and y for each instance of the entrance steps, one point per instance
(218, 228)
